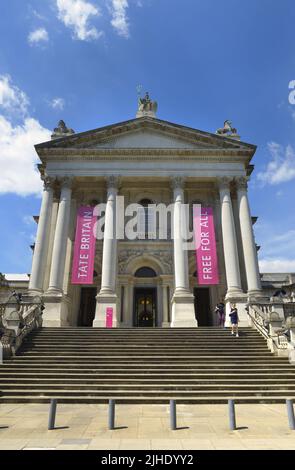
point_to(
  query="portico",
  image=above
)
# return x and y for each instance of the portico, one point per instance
(147, 281)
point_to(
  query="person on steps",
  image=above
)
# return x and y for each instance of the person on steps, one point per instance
(220, 310)
(234, 319)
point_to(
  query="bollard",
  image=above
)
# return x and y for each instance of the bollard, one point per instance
(52, 414)
(111, 414)
(232, 415)
(290, 411)
(173, 424)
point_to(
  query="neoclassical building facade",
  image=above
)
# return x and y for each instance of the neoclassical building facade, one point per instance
(147, 281)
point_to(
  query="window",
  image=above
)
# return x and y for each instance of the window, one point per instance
(146, 220)
(145, 271)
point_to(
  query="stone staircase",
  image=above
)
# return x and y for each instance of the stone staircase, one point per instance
(145, 365)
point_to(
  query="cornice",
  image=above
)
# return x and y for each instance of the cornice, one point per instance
(148, 154)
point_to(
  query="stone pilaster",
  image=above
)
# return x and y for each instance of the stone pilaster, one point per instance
(166, 280)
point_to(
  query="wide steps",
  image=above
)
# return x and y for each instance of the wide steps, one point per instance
(145, 365)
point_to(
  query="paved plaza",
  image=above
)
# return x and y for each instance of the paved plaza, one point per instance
(84, 427)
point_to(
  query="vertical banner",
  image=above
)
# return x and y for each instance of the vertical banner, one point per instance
(84, 247)
(109, 317)
(205, 244)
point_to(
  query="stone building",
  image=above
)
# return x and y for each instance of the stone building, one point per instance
(146, 281)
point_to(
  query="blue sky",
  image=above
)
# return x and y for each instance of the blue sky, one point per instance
(203, 61)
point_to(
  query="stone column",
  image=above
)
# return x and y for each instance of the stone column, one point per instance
(248, 242)
(60, 239)
(107, 297)
(183, 312)
(42, 240)
(231, 258)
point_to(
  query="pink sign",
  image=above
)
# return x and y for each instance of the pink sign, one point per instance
(84, 247)
(109, 317)
(205, 243)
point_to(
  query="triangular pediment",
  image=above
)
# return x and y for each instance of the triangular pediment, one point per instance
(145, 138)
(146, 133)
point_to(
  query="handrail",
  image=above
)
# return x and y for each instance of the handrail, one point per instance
(17, 320)
(260, 314)
(259, 321)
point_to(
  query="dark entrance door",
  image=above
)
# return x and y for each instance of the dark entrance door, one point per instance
(87, 306)
(202, 306)
(145, 307)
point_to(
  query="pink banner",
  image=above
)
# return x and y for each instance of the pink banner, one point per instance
(109, 317)
(205, 243)
(84, 248)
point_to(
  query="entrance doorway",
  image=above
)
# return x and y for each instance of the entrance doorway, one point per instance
(203, 306)
(145, 307)
(87, 306)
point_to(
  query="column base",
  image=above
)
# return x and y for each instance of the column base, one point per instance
(35, 292)
(104, 301)
(183, 311)
(259, 294)
(56, 310)
(240, 301)
(54, 292)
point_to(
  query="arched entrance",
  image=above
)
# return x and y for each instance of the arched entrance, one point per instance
(145, 299)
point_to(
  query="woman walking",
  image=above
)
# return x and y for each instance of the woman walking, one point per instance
(234, 319)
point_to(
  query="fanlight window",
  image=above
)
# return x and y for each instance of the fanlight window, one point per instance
(145, 271)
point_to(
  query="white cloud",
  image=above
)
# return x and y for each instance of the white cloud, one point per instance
(119, 17)
(28, 220)
(13, 101)
(277, 249)
(17, 154)
(281, 167)
(57, 103)
(76, 15)
(38, 36)
(277, 265)
(38, 15)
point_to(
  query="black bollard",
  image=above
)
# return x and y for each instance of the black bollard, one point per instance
(52, 414)
(111, 414)
(290, 411)
(232, 415)
(173, 423)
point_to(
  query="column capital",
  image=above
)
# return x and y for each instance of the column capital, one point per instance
(242, 183)
(223, 182)
(66, 181)
(113, 182)
(177, 182)
(48, 182)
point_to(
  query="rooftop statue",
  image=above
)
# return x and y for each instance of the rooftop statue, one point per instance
(227, 129)
(146, 107)
(61, 130)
